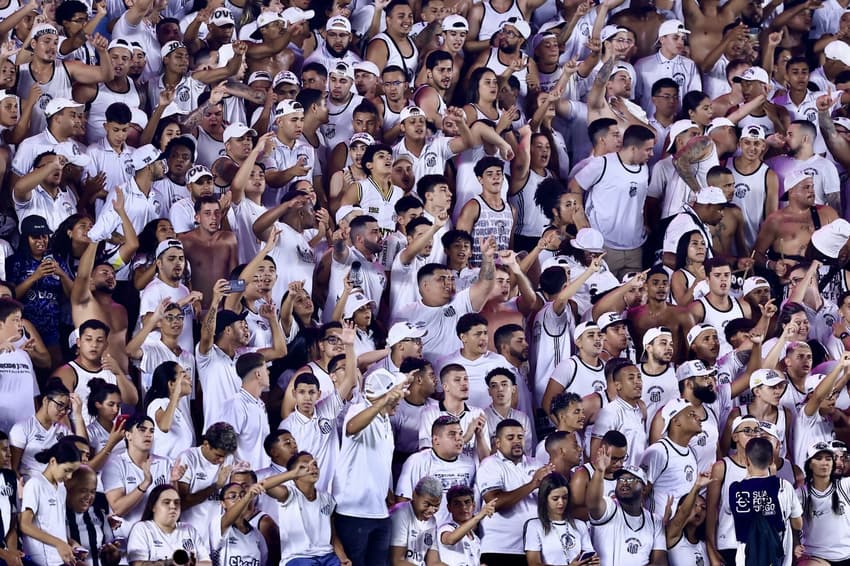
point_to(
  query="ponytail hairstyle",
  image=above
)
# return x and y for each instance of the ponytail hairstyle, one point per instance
(100, 390)
(62, 452)
(163, 375)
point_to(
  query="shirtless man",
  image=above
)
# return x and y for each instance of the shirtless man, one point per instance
(644, 20)
(613, 84)
(91, 295)
(707, 18)
(658, 312)
(727, 235)
(785, 234)
(211, 250)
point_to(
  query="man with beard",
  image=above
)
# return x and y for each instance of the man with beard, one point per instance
(210, 250)
(583, 373)
(800, 141)
(337, 44)
(93, 361)
(392, 103)
(431, 95)
(786, 233)
(341, 104)
(168, 285)
(511, 478)
(238, 142)
(657, 371)
(224, 337)
(474, 357)
(658, 312)
(614, 535)
(510, 342)
(507, 58)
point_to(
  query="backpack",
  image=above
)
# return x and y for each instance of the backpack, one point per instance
(764, 547)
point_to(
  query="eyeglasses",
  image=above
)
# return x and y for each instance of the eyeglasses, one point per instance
(62, 407)
(333, 340)
(628, 479)
(749, 431)
(510, 34)
(173, 317)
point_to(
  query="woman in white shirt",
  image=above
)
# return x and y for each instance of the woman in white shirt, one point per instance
(237, 541)
(43, 522)
(825, 498)
(106, 431)
(685, 532)
(164, 403)
(159, 534)
(555, 538)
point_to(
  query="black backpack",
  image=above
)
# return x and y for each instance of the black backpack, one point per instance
(764, 547)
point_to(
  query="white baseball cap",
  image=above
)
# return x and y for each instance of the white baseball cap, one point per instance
(197, 173)
(120, 43)
(753, 283)
(263, 20)
(770, 428)
(698, 329)
(410, 112)
(671, 27)
(753, 132)
(831, 238)
(654, 333)
(680, 127)
(345, 210)
(610, 31)
(69, 151)
(285, 77)
(817, 448)
(379, 383)
(237, 130)
(368, 67)
(405, 331)
(145, 155)
(584, 327)
(354, 303)
(756, 74)
(792, 180)
(721, 122)
(745, 419)
(590, 240)
(455, 22)
(607, 319)
(166, 245)
(170, 47)
(633, 470)
(521, 26)
(295, 15)
(338, 23)
(286, 107)
(259, 76)
(58, 105)
(43, 29)
(711, 195)
(342, 68)
(361, 137)
(692, 368)
(222, 17)
(671, 409)
(837, 51)
(767, 377)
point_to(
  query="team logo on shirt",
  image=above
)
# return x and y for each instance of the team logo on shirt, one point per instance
(811, 115)
(325, 426)
(741, 190)
(326, 509)
(829, 320)
(129, 170)
(430, 159)
(305, 254)
(702, 439)
(182, 94)
(429, 540)
(6, 491)
(700, 561)
(188, 544)
(44, 100)
(680, 79)
(840, 508)
(598, 386)
(632, 545)
(568, 541)
(654, 392)
(689, 474)
(633, 189)
(330, 131)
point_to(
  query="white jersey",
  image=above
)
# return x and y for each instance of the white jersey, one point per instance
(465, 552)
(807, 110)
(317, 434)
(625, 540)
(750, 196)
(466, 417)
(209, 148)
(821, 525)
(18, 388)
(494, 64)
(236, 547)
(656, 66)
(379, 204)
(552, 341)
(121, 473)
(530, 220)
(720, 318)
(575, 376)
(441, 322)
(340, 121)
(47, 502)
(497, 223)
(725, 522)
(657, 390)
(431, 160)
(31, 438)
(405, 423)
(416, 536)
(200, 474)
(619, 415)
(58, 86)
(409, 63)
(103, 98)
(492, 20)
(809, 430)
(564, 543)
(82, 377)
(148, 543)
(705, 443)
(781, 425)
(390, 117)
(687, 553)
(615, 200)
(477, 371)
(502, 531)
(672, 471)
(292, 250)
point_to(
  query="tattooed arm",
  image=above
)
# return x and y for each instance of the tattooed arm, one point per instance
(480, 291)
(835, 142)
(696, 150)
(596, 97)
(208, 325)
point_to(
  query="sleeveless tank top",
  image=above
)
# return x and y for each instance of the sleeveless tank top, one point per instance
(491, 222)
(530, 219)
(689, 280)
(725, 523)
(441, 107)
(498, 67)
(391, 117)
(750, 194)
(380, 205)
(59, 86)
(719, 319)
(102, 99)
(493, 19)
(209, 148)
(781, 426)
(395, 56)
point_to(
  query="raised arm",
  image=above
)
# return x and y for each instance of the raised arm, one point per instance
(208, 325)
(481, 289)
